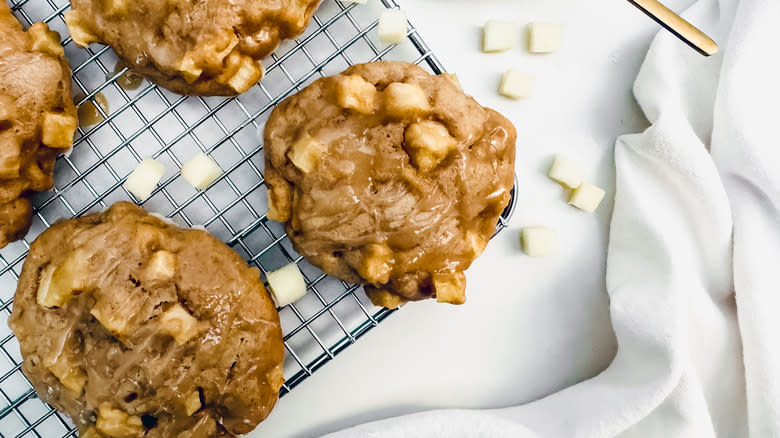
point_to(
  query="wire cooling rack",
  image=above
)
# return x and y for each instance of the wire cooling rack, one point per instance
(150, 121)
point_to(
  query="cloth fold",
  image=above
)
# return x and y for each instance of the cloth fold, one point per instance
(692, 258)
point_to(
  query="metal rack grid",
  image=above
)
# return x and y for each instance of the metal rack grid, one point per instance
(151, 121)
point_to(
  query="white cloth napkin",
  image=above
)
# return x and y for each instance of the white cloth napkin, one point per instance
(695, 311)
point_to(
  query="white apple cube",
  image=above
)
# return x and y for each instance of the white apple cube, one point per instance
(544, 37)
(392, 26)
(142, 181)
(498, 36)
(566, 172)
(586, 197)
(539, 241)
(517, 85)
(287, 284)
(200, 171)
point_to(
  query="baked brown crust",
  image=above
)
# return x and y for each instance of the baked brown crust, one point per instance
(389, 176)
(123, 318)
(207, 48)
(37, 118)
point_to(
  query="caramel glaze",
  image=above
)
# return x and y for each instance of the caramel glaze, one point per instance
(234, 361)
(365, 190)
(88, 112)
(128, 81)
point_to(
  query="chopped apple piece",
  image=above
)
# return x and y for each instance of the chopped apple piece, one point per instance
(306, 153)
(428, 143)
(544, 37)
(376, 263)
(68, 373)
(188, 69)
(115, 423)
(178, 323)
(498, 36)
(450, 287)
(392, 26)
(357, 94)
(45, 296)
(116, 7)
(249, 72)
(230, 67)
(287, 284)
(214, 52)
(161, 266)
(405, 100)
(10, 155)
(517, 85)
(114, 323)
(142, 181)
(211, 56)
(383, 298)
(192, 402)
(566, 172)
(539, 241)
(586, 197)
(200, 171)
(58, 284)
(58, 129)
(45, 40)
(78, 29)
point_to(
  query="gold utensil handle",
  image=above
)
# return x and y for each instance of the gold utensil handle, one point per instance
(677, 25)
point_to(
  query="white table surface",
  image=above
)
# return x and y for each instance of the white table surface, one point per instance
(530, 326)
